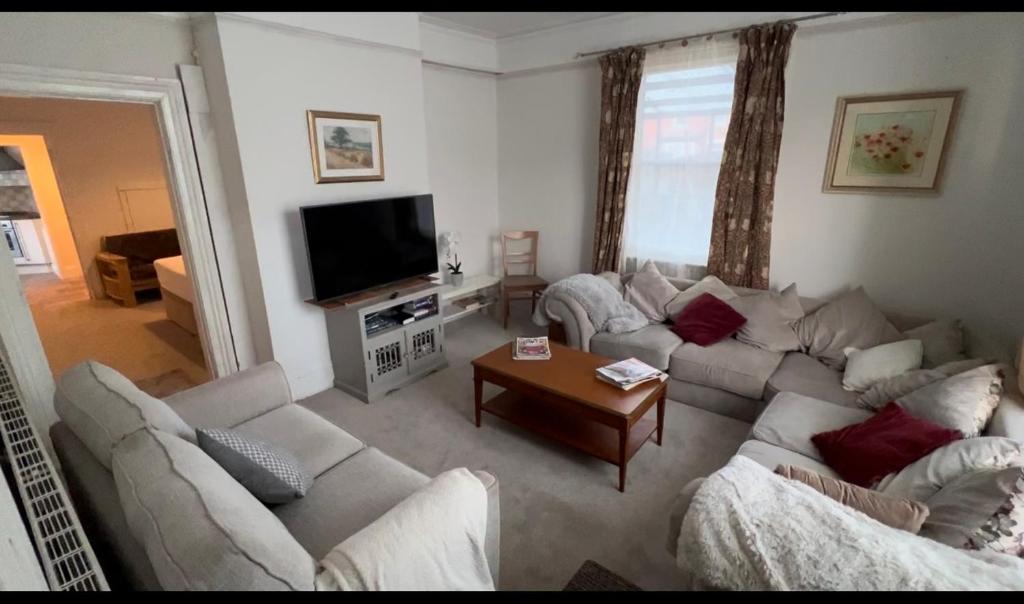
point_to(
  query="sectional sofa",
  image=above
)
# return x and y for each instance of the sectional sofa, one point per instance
(354, 484)
(729, 378)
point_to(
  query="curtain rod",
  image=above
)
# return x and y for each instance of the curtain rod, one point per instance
(463, 68)
(709, 35)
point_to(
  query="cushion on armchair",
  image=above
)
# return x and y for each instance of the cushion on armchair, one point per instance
(143, 247)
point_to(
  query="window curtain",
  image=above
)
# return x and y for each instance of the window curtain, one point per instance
(741, 228)
(682, 118)
(621, 71)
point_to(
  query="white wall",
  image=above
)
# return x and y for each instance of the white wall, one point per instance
(272, 77)
(462, 155)
(956, 254)
(136, 44)
(96, 149)
(547, 157)
(951, 255)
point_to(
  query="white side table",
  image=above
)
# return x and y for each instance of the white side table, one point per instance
(469, 297)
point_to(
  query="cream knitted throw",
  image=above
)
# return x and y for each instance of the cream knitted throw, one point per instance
(748, 528)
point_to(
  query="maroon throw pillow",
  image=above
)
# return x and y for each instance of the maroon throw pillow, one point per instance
(884, 443)
(707, 320)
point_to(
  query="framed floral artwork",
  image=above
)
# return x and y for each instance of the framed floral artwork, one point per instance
(346, 147)
(890, 144)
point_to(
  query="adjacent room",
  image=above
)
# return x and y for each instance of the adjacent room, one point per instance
(516, 301)
(90, 225)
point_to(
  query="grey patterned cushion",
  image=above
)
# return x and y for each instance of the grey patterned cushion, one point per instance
(982, 510)
(270, 473)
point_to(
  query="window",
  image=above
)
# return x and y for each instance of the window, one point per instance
(682, 118)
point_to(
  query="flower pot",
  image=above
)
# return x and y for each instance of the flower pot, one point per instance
(456, 279)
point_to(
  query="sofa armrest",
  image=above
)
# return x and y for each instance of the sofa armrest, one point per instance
(577, 325)
(678, 512)
(231, 400)
(431, 540)
(492, 542)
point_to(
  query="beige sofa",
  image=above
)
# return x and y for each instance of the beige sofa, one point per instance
(353, 485)
(729, 378)
(782, 435)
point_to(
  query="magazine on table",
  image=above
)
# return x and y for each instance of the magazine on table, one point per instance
(532, 349)
(629, 373)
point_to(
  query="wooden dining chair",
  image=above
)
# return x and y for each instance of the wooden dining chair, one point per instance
(519, 278)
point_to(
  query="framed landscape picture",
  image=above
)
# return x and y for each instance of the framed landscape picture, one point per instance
(346, 147)
(890, 144)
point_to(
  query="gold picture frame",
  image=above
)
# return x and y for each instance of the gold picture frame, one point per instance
(893, 143)
(345, 147)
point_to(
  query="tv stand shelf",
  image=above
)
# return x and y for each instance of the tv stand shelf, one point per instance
(373, 352)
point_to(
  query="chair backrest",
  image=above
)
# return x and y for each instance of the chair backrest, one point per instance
(144, 246)
(511, 257)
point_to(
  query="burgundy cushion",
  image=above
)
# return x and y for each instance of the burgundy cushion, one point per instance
(707, 320)
(884, 443)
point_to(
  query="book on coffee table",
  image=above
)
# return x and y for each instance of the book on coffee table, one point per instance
(532, 349)
(629, 373)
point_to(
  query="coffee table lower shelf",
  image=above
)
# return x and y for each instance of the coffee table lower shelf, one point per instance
(591, 437)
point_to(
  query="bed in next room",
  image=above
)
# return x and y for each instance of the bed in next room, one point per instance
(176, 289)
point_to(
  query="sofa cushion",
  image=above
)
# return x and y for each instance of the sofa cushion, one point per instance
(270, 473)
(730, 365)
(791, 419)
(884, 443)
(143, 246)
(652, 344)
(650, 292)
(710, 285)
(963, 402)
(983, 510)
(851, 319)
(943, 341)
(771, 456)
(801, 374)
(770, 317)
(923, 478)
(864, 368)
(315, 442)
(202, 530)
(707, 320)
(101, 407)
(897, 512)
(347, 498)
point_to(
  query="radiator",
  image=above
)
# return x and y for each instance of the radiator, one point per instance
(68, 561)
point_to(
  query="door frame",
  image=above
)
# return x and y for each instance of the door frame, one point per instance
(166, 97)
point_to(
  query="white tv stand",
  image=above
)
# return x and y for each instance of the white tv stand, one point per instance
(372, 354)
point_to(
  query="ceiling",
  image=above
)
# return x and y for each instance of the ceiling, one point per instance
(503, 25)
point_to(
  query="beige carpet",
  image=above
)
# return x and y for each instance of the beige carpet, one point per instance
(558, 507)
(140, 342)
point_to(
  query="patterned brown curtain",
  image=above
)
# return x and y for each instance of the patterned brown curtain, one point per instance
(741, 230)
(621, 72)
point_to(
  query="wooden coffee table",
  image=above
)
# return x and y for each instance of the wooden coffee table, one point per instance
(562, 399)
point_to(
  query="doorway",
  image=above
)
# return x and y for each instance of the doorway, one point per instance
(89, 219)
(20, 340)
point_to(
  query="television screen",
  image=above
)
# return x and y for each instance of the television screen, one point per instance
(360, 245)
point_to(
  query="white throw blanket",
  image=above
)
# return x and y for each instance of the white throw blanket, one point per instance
(604, 305)
(433, 540)
(747, 528)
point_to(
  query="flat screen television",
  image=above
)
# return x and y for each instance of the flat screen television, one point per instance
(360, 245)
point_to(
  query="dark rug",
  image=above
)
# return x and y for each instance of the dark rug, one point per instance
(594, 577)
